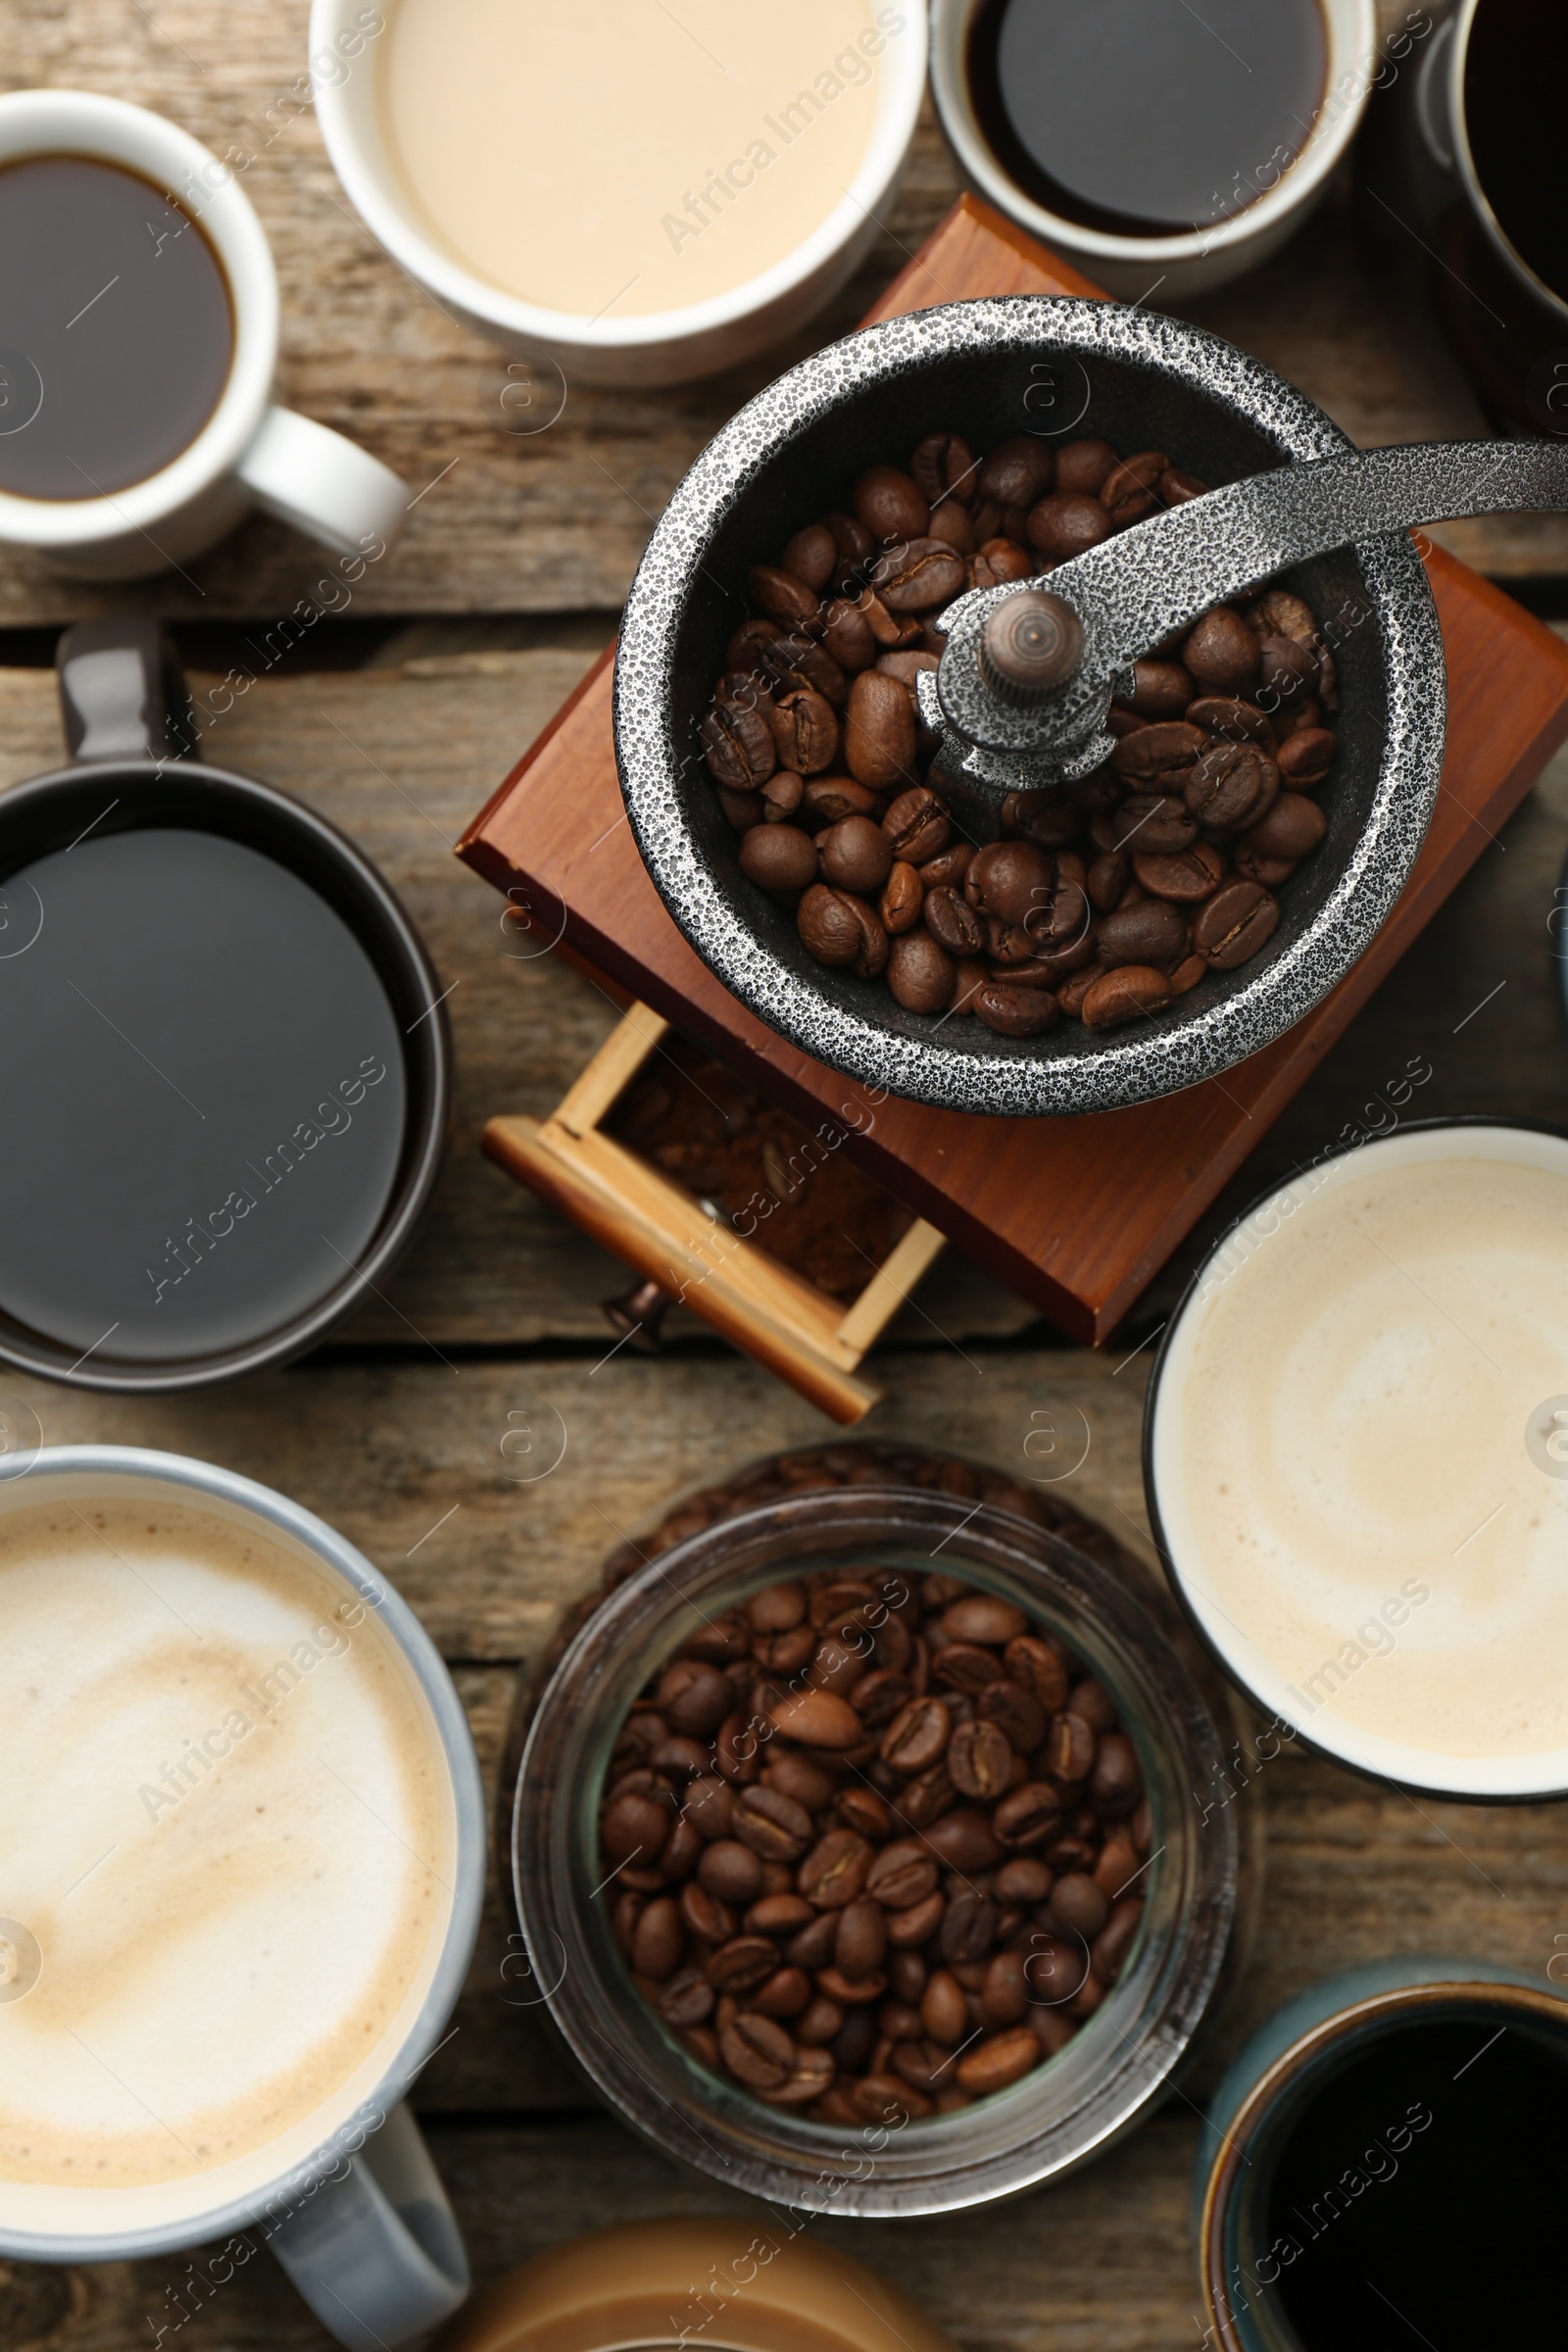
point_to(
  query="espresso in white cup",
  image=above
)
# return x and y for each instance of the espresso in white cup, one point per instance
(1357, 1455)
(93, 319)
(243, 1851)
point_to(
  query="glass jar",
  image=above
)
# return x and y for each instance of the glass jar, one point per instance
(848, 1508)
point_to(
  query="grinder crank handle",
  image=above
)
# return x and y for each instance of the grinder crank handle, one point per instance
(1152, 582)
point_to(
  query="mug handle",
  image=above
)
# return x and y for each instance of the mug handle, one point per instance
(123, 692)
(376, 2254)
(323, 485)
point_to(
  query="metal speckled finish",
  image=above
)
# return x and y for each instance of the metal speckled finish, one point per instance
(986, 368)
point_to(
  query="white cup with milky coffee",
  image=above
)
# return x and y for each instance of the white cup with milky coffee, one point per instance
(1357, 1455)
(633, 194)
(241, 1861)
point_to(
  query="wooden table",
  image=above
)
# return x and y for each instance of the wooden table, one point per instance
(397, 721)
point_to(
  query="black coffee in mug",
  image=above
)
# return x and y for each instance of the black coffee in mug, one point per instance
(1516, 72)
(116, 328)
(1413, 2190)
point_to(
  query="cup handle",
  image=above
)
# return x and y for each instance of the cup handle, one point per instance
(323, 485)
(376, 2254)
(122, 694)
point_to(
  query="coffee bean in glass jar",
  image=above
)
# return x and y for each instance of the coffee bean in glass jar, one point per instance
(875, 1844)
(1104, 900)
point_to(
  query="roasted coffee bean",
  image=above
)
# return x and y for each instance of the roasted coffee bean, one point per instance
(1233, 720)
(813, 556)
(1017, 1711)
(1293, 827)
(836, 1869)
(772, 1824)
(686, 1999)
(757, 2051)
(1231, 786)
(819, 2021)
(1131, 992)
(919, 1923)
(738, 746)
(798, 1776)
(709, 1804)
(784, 1654)
(919, 575)
(778, 1915)
(1016, 1011)
(1081, 466)
(963, 1840)
(827, 800)
(861, 1939)
(1009, 879)
(1152, 751)
(1235, 923)
(999, 2061)
(1188, 973)
(1069, 1748)
(828, 926)
(1041, 1666)
(1130, 490)
(943, 2010)
(920, 972)
(703, 1916)
(998, 561)
(1064, 525)
(1149, 824)
(954, 524)
(851, 537)
(983, 1617)
(745, 646)
(695, 1697)
(1028, 1816)
(783, 1995)
(800, 661)
(901, 903)
(944, 465)
(1176, 488)
(1089, 1700)
(851, 1992)
(855, 855)
(817, 1719)
(1109, 1953)
(952, 922)
(1016, 472)
(1161, 690)
(917, 1737)
(847, 636)
(1305, 758)
(730, 1872)
(1107, 879)
(781, 796)
(1022, 1882)
(780, 859)
(813, 1947)
(742, 1964)
(964, 1667)
(1221, 652)
(891, 504)
(879, 732)
(980, 1761)
(882, 1693)
(633, 1829)
(1116, 1784)
(1046, 818)
(1286, 670)
(1186, 878)
(1077, 1905)
(969, 1928)
(916, 825)
(782, 595)
(1151, 933)
(660, 1943)
(1254, 865)
(805, 731)
(1004, 1994)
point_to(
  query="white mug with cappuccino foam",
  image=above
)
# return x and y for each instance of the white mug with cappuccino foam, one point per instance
(242, 1855)
(1356, 1457)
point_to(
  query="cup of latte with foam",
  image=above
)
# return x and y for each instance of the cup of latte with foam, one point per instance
(241, 1863)
(1356, 1457)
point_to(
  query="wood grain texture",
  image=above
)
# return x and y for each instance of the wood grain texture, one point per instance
(1030, 1198)
(558, 521)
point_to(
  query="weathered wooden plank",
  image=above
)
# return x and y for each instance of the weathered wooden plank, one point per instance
(558, 521)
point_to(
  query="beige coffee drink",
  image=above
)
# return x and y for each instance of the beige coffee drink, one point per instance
(1360, 1458)
(626, 158)
(225, 1846)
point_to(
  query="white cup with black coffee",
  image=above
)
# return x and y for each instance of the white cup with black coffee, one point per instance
(138, 342)
(244, 1850)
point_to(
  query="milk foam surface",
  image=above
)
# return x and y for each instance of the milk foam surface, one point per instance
(1352, 1490)
(563, 154)
(223, 1817)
